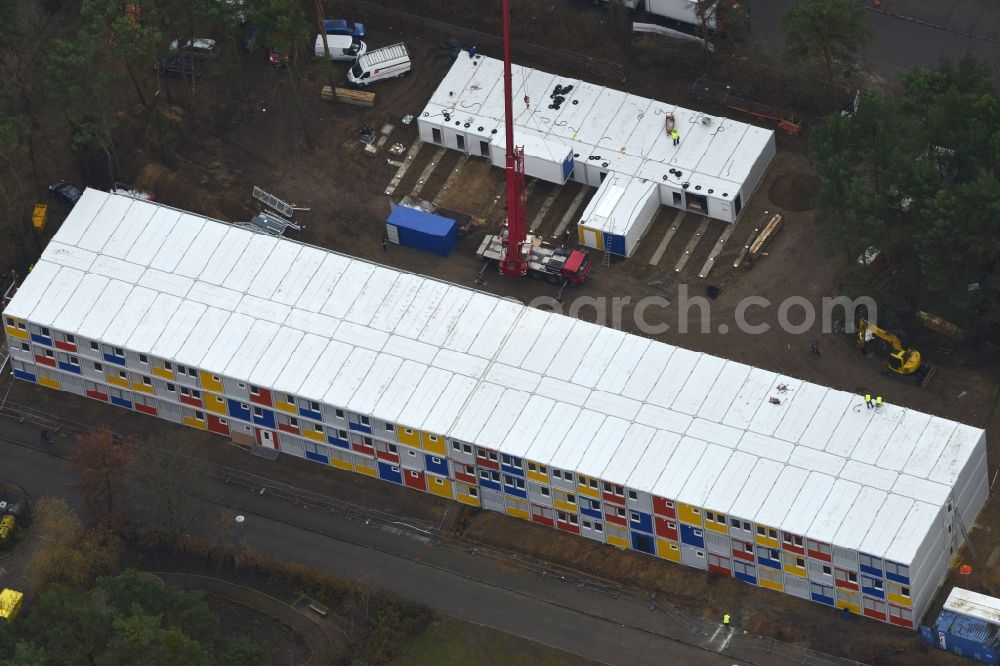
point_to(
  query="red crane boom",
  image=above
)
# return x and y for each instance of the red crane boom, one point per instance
(514, 254)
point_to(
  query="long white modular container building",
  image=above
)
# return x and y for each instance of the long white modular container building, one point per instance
(627, 441)
(604, 138)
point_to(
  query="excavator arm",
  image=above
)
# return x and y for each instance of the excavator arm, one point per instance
(902, 361)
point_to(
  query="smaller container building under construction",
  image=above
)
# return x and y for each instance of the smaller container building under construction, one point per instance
(969, 626)
(626, 441)
(574, 130)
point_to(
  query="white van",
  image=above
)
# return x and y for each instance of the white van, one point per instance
(388, 62)
(342, 47)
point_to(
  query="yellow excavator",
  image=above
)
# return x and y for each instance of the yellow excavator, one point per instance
(903, 363)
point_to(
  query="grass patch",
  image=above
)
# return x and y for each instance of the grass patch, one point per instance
(449, 641)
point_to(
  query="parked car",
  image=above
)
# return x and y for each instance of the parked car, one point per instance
(342, 27)
(199, 47)
(173, 67)
(276, 58)
(66, 192)
(341, 47)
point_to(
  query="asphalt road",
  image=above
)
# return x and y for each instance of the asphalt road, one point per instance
(462, 584)
(908, 33)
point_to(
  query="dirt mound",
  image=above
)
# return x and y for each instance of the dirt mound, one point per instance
(170, 189)
(794, 192)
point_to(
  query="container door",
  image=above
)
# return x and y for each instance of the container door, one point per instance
(267, 438)
(591, 238)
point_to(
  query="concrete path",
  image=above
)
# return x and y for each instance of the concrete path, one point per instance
(667, 237)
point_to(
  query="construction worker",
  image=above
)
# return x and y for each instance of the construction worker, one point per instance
(385, 242)
(868, 400)
(676, 136)
(725, 620)
(814, 347)
(878, 402)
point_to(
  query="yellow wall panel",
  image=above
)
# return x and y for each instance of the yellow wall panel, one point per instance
(618, 541)
(538, 476)
(362, 468)
(208, 383)
(442, 489)
(897, 599)
(587, 491)
(195, 423)
(767, 541)
(564, 506)
(15, 332)
(689, 514)
(432, 443)
(853, 607)
(668, 550)
(772, 585)
(142, 388)
(215, 404)
(340, 464)
(467, 499)
(48, 381)
(313, 435)
(165, 374)
(794, 570)
(408, 436)
(518, 513)
(285, 407)
(716, 527)
(115, 380)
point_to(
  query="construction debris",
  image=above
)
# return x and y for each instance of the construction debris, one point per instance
(763, 238)
(721, 93)
(348, 96)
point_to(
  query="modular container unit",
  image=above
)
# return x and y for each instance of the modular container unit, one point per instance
(436, 387)
(415, 228)
(619, 215)
(969, 626)
(572, 129)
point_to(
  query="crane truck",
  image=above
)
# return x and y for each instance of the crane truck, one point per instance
(903, 363)
(517, 252)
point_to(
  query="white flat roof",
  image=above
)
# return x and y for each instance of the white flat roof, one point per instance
(427, 355)
(627, 131)
(973, 604)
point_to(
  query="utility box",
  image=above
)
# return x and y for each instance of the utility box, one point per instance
(10, 604)
(421, 230)
(38, 216)
(969, 626)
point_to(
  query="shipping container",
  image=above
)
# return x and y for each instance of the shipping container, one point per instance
(439, 388)
(418, 229)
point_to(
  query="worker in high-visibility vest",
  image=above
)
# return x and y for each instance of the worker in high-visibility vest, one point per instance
(878, 402)
(676, 136)
(725, 620)
(868, 400)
